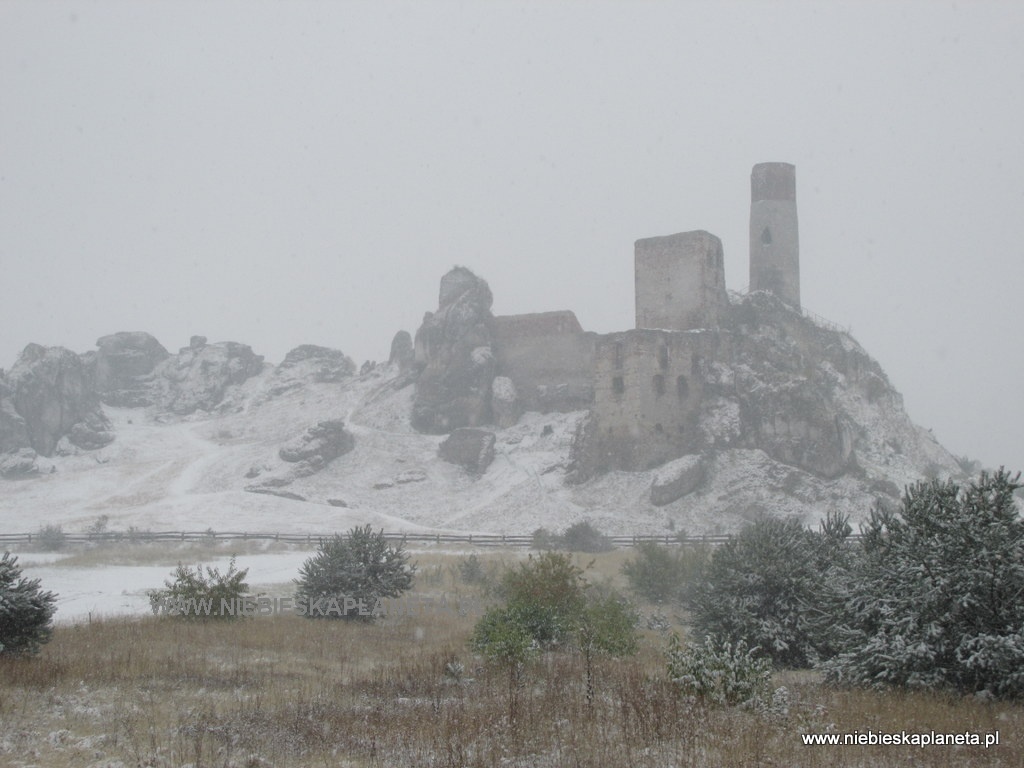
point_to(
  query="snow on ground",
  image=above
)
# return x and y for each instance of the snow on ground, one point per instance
(85, 592)
(94, 591)
(165, 472)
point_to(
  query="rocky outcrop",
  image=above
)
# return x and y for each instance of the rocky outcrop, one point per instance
(453, 347)
(322, 363)
(676, 479)
(472, 449)
(13, 432)
(198, 376)
(123, 366)
(50, 394)
(403, 353)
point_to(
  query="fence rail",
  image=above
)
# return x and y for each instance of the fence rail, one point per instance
(484, 540)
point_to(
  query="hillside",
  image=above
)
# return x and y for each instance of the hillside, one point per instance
(193, 468)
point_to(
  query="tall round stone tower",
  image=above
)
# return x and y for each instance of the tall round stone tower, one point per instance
(774, 242)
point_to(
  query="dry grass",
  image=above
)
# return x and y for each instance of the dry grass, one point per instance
(288, 691)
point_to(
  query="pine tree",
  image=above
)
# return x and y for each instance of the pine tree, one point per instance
(361, 568)
(938, 600)
(26, 610)
(770, 587)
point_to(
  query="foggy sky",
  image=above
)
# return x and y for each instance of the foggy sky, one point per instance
(289, 173)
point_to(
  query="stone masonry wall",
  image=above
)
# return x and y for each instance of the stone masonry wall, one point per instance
(548, 357)
(680, 281)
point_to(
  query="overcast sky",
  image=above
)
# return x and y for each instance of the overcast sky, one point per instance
(288, 173)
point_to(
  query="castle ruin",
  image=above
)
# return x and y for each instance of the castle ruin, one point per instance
(647, 387)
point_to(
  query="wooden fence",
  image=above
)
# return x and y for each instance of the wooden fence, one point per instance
(311, 539)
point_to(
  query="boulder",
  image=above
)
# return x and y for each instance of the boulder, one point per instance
(676, 479)
(453, 349)
(18, 464)
(319, 444)
(323, 363)
(123, 368)
(505, 406)
(470, 448)
(51, 391)
(91, 433)
(197, 378)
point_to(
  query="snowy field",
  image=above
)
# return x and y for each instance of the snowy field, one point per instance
(85, 592)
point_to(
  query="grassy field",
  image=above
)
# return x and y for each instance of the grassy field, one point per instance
(406, 691)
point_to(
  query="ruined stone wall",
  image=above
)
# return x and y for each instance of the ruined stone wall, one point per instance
(648, 388)
(548, 357)
(680, 281)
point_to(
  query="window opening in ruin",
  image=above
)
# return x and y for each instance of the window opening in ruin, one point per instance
(658, 383)
(658, 428)
(618, 386)
(766, 237)
(682, 387)
(618, 354)
(663, 358)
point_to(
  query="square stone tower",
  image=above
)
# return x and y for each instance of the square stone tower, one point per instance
(774, 242)
(680, 281)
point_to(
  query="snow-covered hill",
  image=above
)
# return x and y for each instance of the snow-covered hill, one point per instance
(198, 471)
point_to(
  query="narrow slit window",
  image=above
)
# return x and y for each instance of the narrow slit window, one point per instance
(766, 237)
(618, 385)
(682, 387)
(658, 382)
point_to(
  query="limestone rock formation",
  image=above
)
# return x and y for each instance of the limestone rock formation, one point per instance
(13, 432)
(676, 479)
(197, 377)
(453, 347)
(50, 395)
(323, 363)
(123, 366)
(402, 351)
(470, 448)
